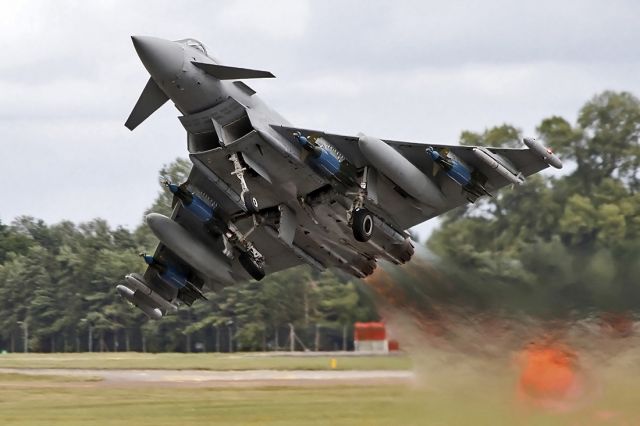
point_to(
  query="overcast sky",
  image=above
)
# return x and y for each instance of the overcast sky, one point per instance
(409, 70)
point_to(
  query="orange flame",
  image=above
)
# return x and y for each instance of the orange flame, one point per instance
(550, 375)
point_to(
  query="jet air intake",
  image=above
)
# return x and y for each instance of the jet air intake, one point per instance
(401, 171)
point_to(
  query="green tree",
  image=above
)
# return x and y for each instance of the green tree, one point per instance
(556, 244)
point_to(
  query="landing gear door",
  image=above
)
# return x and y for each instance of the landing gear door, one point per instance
(288, 224)
(372, 185)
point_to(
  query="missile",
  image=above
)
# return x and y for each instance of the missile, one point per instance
(547, 155)
(456, 170)
(494, 163)
(168, 273)
(401, 171)
(305, 143)
(188, 248)
(136, 282)
(140, 301)
(325, 161)
(192, 202)
(172, 276)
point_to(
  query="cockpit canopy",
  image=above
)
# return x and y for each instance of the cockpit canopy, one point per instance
(193, 43)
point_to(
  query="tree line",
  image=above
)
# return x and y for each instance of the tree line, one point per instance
(561, 244)
(565, 244)
(57, 286)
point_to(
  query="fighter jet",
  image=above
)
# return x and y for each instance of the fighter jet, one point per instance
(264, 195)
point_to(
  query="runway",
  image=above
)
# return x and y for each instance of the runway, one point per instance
(205, 378)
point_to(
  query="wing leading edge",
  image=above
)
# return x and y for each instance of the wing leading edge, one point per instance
(461, 173)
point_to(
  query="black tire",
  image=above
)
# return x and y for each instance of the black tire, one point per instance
(362, 225)
(255, 270)
(250, 202)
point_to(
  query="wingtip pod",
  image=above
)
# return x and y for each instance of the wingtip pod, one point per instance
(547, 155)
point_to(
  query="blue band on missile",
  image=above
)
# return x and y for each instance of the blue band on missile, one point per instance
(304, 142)
(172, 277)
(327, 163)
(459, 174)
(197, 206)
(173, 187)
(454, 168)
(169, 273)
(435, 155)
(202, 210)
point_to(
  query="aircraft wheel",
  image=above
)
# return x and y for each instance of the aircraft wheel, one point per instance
(256, 271)
(250, 202)
(362, 225)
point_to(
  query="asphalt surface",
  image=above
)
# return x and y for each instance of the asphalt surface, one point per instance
(225, 378)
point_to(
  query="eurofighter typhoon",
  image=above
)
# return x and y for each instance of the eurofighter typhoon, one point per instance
(264, 196)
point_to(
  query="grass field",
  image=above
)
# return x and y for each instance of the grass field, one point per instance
(69, 405)
(450, 389)
(483, 400)
(23, 379)
(207, 361)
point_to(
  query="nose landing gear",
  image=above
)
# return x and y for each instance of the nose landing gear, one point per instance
(250, 202)
(250, 258)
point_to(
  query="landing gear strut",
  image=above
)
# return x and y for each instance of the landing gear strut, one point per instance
(361, 219)
(250, 258)
(219, 224)
(250, 202)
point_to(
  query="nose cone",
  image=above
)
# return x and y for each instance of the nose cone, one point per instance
(162, 58)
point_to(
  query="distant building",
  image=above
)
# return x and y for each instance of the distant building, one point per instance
(372, 337)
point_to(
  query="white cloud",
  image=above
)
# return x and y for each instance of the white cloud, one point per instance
(411, 70)
(278, 20)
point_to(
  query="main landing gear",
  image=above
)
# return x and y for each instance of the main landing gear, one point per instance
(220, 225)
(252, 266)
(362, 224)
(250, 258)
(361, 219)
(250, 202)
